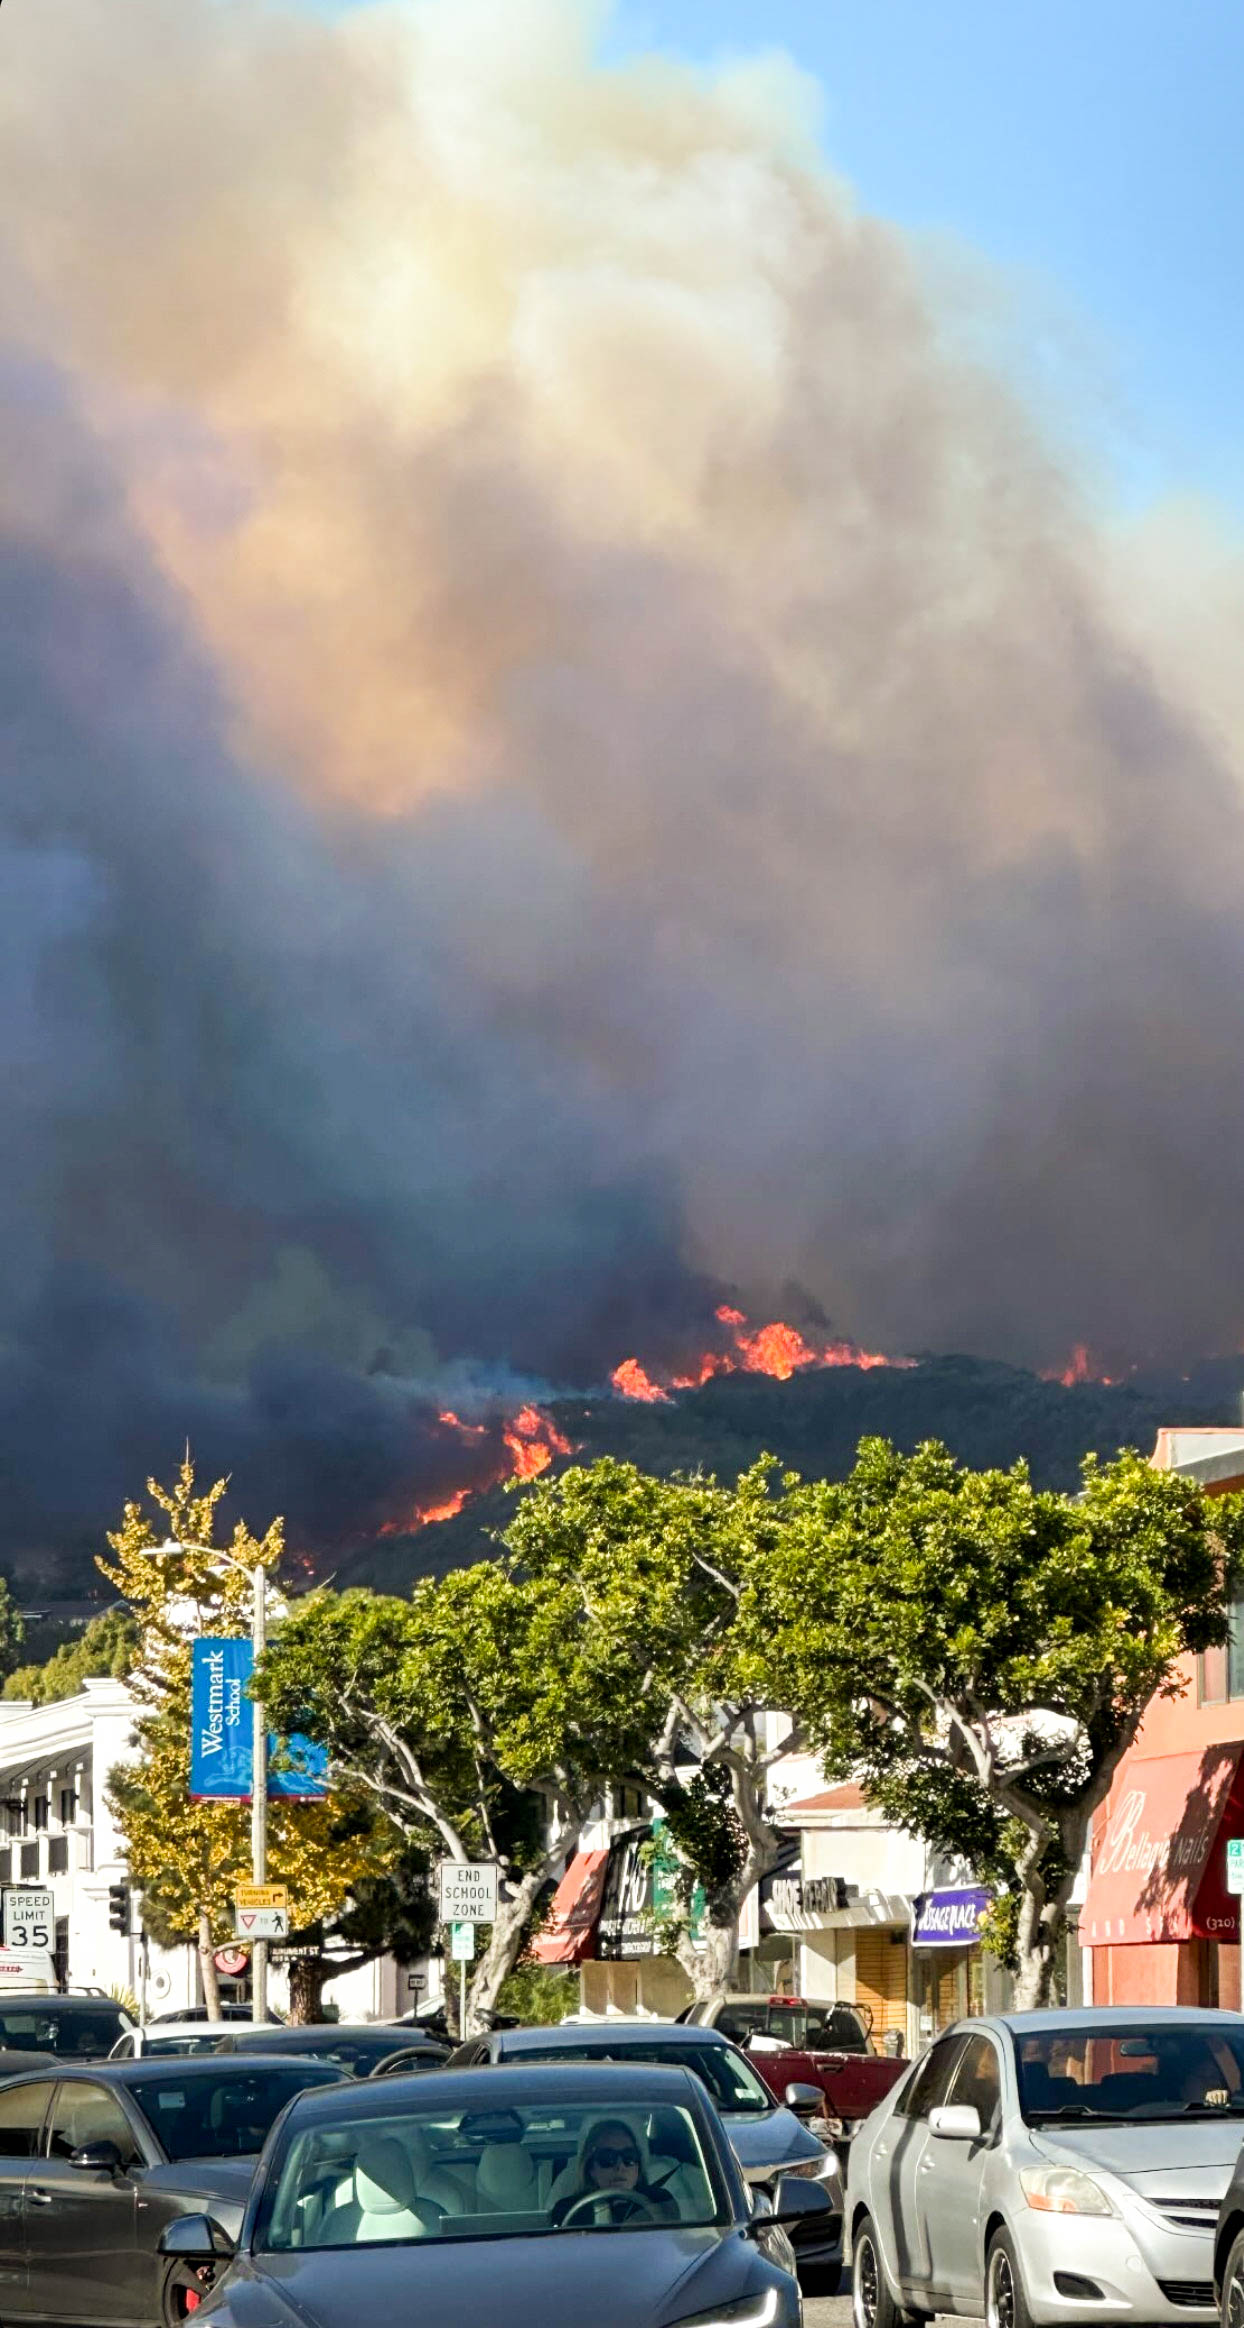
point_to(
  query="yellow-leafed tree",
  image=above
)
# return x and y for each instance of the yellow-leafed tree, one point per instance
(186, 1856)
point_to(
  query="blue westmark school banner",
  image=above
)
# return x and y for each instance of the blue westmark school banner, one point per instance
(222, 1731)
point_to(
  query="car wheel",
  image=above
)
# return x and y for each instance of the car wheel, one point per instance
(1233, 2286)
(186, 2286)
(872, 2305)
(1006, 2305)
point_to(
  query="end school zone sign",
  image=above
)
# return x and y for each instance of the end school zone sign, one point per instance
(468, 1891)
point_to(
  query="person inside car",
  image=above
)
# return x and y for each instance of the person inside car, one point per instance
(612, 2167)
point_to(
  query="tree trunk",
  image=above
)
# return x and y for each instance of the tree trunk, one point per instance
(1043, 1918)
(307, 1975)
(712, 1967)
(207, 1966)
(505, 1946)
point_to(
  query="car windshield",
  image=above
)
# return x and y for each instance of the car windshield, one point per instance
(731, 2081)
(86, 2036)
(1149, 2070)
(528, 2170)
(225, 2117)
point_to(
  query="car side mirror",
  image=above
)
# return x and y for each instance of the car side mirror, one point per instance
(197, 2238)
(98, 2158)
(806, 2101)
(956, 2122)
(794, 2199)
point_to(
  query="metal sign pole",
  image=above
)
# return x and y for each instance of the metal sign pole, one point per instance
(259, 1802)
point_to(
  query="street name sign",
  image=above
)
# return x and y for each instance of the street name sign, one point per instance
(462, 1943)
(1235, 1868)
(29, 1918)
(468, 1891)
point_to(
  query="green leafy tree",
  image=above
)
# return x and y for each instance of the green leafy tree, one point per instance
(484, 1715)
(12, 1630)
(185, 1855)
(106, 1647)
(980, 1654)
(626, 1556)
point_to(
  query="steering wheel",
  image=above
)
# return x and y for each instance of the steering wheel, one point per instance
(630, 2203)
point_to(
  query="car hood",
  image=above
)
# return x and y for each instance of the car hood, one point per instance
(1158, 2158)
(776, 2140)
(617, 2279)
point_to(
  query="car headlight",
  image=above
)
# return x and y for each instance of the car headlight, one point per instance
(822, 2169)
(753, 2312)
(1063, 2190)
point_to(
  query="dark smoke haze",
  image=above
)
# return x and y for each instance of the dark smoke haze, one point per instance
(566, 749)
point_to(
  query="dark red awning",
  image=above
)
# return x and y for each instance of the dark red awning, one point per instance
(571, 1928)
(1159, 1860)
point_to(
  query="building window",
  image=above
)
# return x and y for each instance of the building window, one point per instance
(58, 1855)
(1220, 1672)
(30, 1860)
(6, 1867)
(39, 1814)
(68, 1805)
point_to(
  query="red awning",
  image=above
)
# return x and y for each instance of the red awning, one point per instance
(567, 1937)
(1159, 1861)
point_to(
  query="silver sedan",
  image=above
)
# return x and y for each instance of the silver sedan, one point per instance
(1057, 2166)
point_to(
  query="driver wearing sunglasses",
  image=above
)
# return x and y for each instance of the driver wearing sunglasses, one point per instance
(612, 2163)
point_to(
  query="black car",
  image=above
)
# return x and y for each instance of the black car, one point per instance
(767, 2138)
(73, 2028)
(356, 2046)
(94, 2163)
(534, 2196)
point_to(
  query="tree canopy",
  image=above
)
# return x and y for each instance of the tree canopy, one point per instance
(980, 1653)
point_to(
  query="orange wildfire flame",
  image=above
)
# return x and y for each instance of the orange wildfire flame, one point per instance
(1079, 1368)
(776, 1349)
(533, 1441)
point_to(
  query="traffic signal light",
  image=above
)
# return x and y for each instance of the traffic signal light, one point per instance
(119, 1907)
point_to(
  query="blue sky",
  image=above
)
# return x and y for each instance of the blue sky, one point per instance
(1092, 147)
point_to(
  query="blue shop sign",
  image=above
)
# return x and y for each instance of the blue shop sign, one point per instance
(948, 1919)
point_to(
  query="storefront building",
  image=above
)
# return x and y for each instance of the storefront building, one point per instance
(1158, 1919)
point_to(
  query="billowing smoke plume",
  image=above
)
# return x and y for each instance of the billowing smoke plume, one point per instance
(567, 748)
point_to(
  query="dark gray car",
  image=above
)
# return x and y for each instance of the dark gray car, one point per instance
(358, 2047)
(767, 2139)
(95, 2162)
(532, 2196)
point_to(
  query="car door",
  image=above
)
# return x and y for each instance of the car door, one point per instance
(908, 2141)
(82, 2223)
(23, 2108)
(951, 2174)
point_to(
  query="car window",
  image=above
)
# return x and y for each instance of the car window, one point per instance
(22, 2112)
(84, 2112)
(931, 2082)
(835, 2029)
(738, 2021)
(88, 2035)
(226, 2117)
(978, 2080)
(526, 2170)
(1162, 2070)
(730, 2079)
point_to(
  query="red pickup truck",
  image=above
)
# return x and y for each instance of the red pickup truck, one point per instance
(797, 2041)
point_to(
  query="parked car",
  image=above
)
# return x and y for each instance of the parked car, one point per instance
(538, 2196)
(1051, 2166)
(230, 2012)
(768, 2138)
(76, 2028)
(796, 2041)
(94, 2162)
(184, 2037)
(356, 2046)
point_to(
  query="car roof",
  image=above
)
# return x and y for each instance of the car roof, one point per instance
(174, 2068)
(1066, 2018)
(500, 2086)
(59, 2003)
(619, 2032)
(325, 2030)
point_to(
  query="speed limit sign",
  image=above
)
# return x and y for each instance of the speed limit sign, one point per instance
(29, 1918)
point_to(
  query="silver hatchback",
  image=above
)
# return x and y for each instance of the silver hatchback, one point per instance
(1056, 2166)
